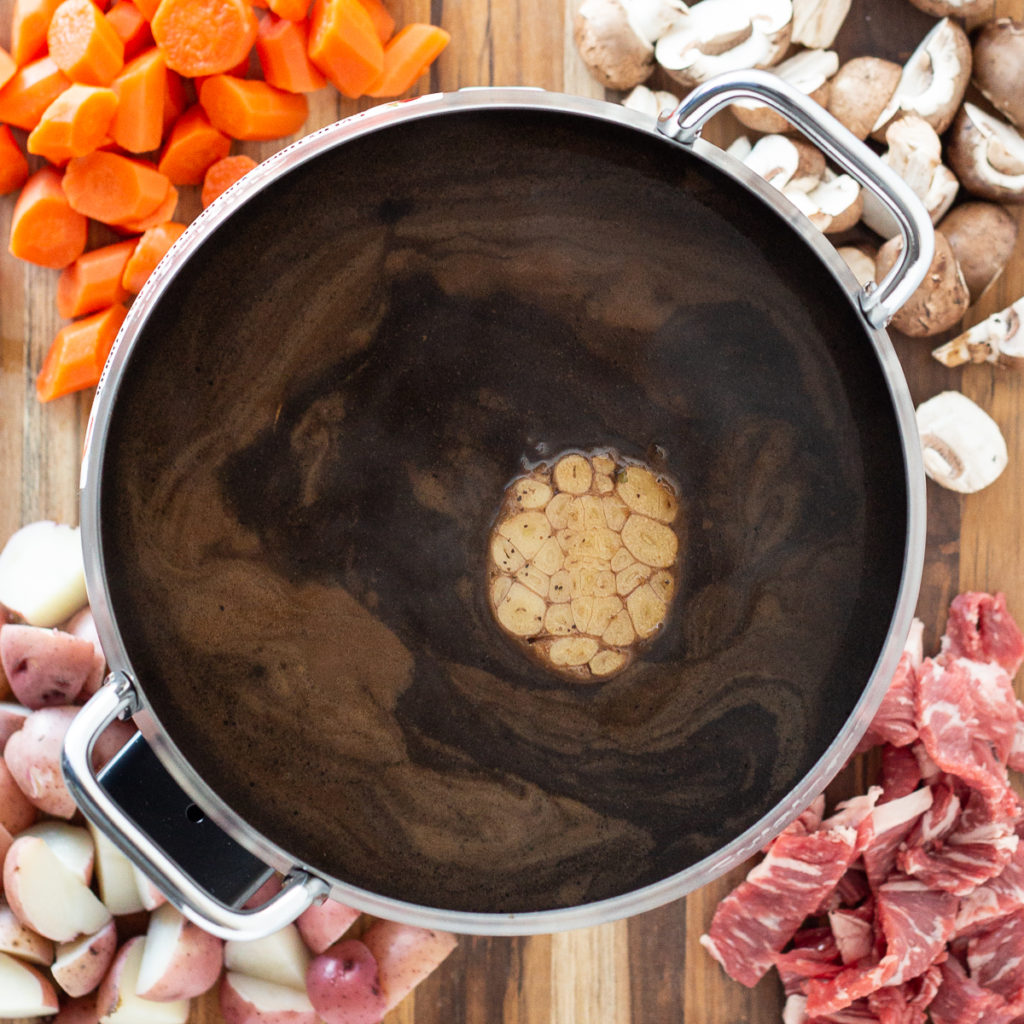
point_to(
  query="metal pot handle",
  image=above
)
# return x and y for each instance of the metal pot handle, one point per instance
(878, 302)
(117, 699)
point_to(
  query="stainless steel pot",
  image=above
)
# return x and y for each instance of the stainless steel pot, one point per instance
(559, 271)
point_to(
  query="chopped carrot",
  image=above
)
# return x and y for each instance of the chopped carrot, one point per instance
(13, 165)
(45, 229)
(163, 213)
(83, 44)
(407, 57)
(32, 89)
(192, 145)
(292, 10)
(204, 37)
(147, 8)
(112, 188)
(149, 251)
(29, 22)
(78, 354)
(175, 99)
(381, 18)
(141, 87)
(223, 174)
(282, 47)
(93, 281)
(250, 109)
(74, 124)
(344, 45)
(131, 26)
(7, 67)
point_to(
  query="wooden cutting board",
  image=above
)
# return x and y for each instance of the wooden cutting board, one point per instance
(650, 969)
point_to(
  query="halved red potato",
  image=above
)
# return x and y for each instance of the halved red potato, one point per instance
(246, 1000)
(405, 955)
(149, 895)
(17, 939)
(117, 1001)
(323, 924)
(17, 812)
(281, 957)
(343, 984)
(179, 960)
(72, 844)
(45, 667)
(83, 963)
(24, 990)
(12, 718)
(82, 624)
(33, 756)
(115, 874)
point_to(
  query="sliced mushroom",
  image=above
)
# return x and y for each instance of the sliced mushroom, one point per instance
(860, 91)
(954, 8)
(998, 339)
(987, 155)
(933, 81)
(962, 446)
(915, 154)
(940, 301)
(983, 236)
(788, 164)
(860, 261)
(833, 205)
(816, 23)
(716, 36)
(615, 54)
(999, 67)
(808, 71)
(650, 101)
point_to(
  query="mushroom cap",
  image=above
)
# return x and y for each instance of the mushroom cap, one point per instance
(860, 90)
(608, 44)
(809, 71)
(987, 155)
(999, 67)
(942, 298)
(982, 236)
(954, 8)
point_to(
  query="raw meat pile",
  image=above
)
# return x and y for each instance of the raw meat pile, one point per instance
(907, 901)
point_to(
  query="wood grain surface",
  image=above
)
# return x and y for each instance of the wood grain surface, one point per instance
(650, 969)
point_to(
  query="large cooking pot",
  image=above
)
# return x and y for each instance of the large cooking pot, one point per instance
(298, 452)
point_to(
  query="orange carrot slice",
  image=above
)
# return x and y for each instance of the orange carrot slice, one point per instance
(32, 89)
(78, 354)
(131, 26)
(407, 57)
(175, 99)
(112, 188)
(282, 47)
(93, 281)
(148, 252)
(344, 45)
(164, 212)
(138, 125)
(13, 165)
(381, 18)
(147, 8)
(292, 10)
(74, 124)
(250, 109)
(44, 228)
(223, 174)
(7, 67)
(204, 37)
(192, 145)
(83, 44)
(29, 21)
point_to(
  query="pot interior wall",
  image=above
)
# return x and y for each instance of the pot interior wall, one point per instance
(308, 446)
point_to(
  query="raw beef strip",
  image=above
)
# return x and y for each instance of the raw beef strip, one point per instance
(998, 898)
(917, 922)
(814, 954)
(941, 818)
(758, 918)
(852, 890)
(891, 823)
(854, 932)
(1016, 758)
(894, 721)
(806, 822)
(979, 627)
(962, 1001)
(900, 772)
(949, 732)
(995, 704)
(907, 1003)
(995, 958)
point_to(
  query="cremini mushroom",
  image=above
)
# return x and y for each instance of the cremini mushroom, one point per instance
(860, 90)
(962, 446)
(915, 154)
(999, 67)
(787, 164)
(997, 339)
(982, 236)
(987, 155)
(933, 80)
(615, 38)
(816, 23)
(941, 299)
(954, 8)
(715, 36)
(835, 204)
(650, 101)
(861, 261)
(808, 71)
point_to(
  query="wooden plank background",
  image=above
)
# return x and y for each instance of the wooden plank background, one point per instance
(650, 969)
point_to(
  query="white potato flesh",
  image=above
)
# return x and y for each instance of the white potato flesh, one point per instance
(42, 574)
(116, 876)
(81, 965)
(48, 897)
(247, 1000)
(17, 939)
(405, 955)
(118, 1002)
(72, 844)
(281, 957)
(149, 895)
(179, 959)
(24, 991)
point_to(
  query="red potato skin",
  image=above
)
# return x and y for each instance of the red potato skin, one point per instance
(33, 757)
(45, 667)
(200, 965)
(343, 984)
(78, 1011)
(108, 993)
(12, 718)
(17, 811)
(83, 625)
(323, 924)
(405, 955)
(235, 1009)
(6, 841)
(84, 975)
(19, 940)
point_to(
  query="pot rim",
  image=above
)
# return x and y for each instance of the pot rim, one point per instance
(588, 914)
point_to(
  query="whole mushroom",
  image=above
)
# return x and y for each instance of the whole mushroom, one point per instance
(999, 67)
(860, 90)
(982, 236)
(615, 50)
(963, 448)
(987, 155)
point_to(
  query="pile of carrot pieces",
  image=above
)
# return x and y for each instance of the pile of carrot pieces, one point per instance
(119, 107)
